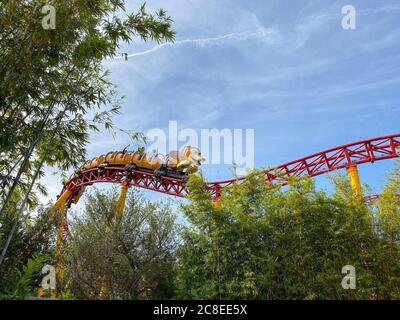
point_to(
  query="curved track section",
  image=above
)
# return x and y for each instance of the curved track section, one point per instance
(366, 151)
(133, 178)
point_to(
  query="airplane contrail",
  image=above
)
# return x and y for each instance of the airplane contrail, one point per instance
(239, 36)
(246, 35)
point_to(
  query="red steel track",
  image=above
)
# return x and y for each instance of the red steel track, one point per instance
(366, 151)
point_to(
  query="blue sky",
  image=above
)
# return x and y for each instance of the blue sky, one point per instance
(286, 69)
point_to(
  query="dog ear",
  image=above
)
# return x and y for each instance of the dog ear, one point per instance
(187, 151)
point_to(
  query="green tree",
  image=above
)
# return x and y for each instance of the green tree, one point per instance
(283, 243)
(133, 260)
(389, 207)
(29, 240)
(54, 88)
(28, 278)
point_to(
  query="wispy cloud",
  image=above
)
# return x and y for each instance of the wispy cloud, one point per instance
(254, 34)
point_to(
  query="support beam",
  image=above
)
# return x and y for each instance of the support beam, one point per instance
(58, 253)
(217, 197)
(62, 200)
(41, 293)
(121, 204)
(59, 210)
(119, 210)
(103, 292)
(355, 182)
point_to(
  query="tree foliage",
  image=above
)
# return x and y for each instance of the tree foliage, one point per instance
(53, 85)
(288, 243)
(263, 242)
(54, 89)
(28, 244)
(132, 260)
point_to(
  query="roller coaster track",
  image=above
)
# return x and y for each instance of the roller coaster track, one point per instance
(366, 151)
(346, 156)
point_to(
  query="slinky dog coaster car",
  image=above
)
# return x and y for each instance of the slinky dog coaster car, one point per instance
(177, 164)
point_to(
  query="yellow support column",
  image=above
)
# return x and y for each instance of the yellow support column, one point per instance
(59, 211)
(354, 177)
(121, 204)
(60, 203)
(103, 292)
(119, 210)
(217, 197)
(58, 253)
